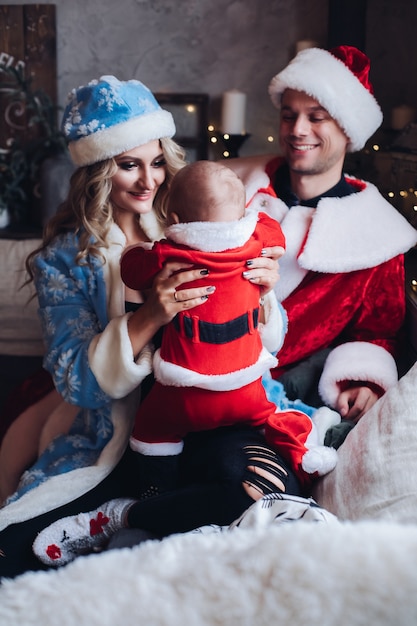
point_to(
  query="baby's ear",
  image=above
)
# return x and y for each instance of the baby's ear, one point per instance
(172, 218)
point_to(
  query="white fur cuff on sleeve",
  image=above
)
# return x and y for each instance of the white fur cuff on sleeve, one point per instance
(356, 360)
(274, 329)
(112, 362)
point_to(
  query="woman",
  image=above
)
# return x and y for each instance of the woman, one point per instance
(98, 354)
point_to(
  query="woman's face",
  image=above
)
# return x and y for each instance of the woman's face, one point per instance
(140, 173)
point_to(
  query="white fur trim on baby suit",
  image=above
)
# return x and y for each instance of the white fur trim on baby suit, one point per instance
(356, 360)
(319, 458)
(164, 448)
(214, 236)
(173, 375)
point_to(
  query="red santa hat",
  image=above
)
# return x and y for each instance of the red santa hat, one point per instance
(339, 80)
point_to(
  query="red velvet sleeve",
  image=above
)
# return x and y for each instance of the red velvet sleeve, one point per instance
(327, 310)
(382, 311)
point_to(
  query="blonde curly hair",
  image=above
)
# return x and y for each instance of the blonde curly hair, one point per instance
(88, 211)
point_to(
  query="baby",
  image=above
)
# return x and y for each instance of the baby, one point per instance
(209, 367)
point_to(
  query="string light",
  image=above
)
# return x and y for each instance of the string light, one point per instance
(214, 137)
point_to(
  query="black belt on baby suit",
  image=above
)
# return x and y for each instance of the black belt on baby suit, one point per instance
(208, 332)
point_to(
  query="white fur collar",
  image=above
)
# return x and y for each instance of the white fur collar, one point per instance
(355, 232)
(151, 227)
(214, 236)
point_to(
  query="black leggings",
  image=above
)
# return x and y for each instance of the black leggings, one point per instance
(207, 481)
(210, 490)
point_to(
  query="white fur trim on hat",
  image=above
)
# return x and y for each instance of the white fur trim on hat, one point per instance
(360, 361)
(117, 139)
(328, 80)
(107, 117)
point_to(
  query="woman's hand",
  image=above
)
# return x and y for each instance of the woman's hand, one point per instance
(264, 270)
(164, 300)
(168, 299)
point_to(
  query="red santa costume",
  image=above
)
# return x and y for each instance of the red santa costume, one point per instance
(342, 277)
(209, 368)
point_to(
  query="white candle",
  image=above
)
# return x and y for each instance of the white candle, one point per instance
(233, 112)
(304, 44)
(401, 116)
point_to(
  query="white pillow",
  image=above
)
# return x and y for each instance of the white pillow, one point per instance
(376, 473)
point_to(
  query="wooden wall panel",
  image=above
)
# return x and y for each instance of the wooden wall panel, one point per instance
(11, 34)
(40, 46)
(28, 35)
(27, 43)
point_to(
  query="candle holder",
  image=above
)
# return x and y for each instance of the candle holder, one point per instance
(232, 143)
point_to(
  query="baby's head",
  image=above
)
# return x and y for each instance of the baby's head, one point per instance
(206, 191)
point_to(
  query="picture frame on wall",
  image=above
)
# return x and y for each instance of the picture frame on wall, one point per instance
(190, 113)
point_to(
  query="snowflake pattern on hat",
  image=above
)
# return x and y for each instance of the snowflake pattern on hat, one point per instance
(108, 116)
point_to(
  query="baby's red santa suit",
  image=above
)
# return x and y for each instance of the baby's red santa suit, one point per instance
(209, 368)
(342, 277)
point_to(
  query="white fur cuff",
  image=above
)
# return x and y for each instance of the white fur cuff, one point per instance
(111, 359)
(274, 329)
(356, 360)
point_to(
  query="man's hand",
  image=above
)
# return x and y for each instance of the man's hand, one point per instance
(356, 399)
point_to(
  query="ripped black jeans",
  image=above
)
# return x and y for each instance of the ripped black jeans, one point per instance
(219, 474)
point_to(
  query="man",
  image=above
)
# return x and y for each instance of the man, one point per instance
(342, 277)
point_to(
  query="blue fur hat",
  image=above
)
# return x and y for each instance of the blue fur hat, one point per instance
(109, 116)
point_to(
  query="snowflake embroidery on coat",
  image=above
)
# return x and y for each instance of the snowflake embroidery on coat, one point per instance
(69, 327)
(81, 326)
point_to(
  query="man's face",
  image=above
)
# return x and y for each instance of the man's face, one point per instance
(312, 142)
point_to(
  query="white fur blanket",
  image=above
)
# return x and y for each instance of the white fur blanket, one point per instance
(354, 573)
(298, 573)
